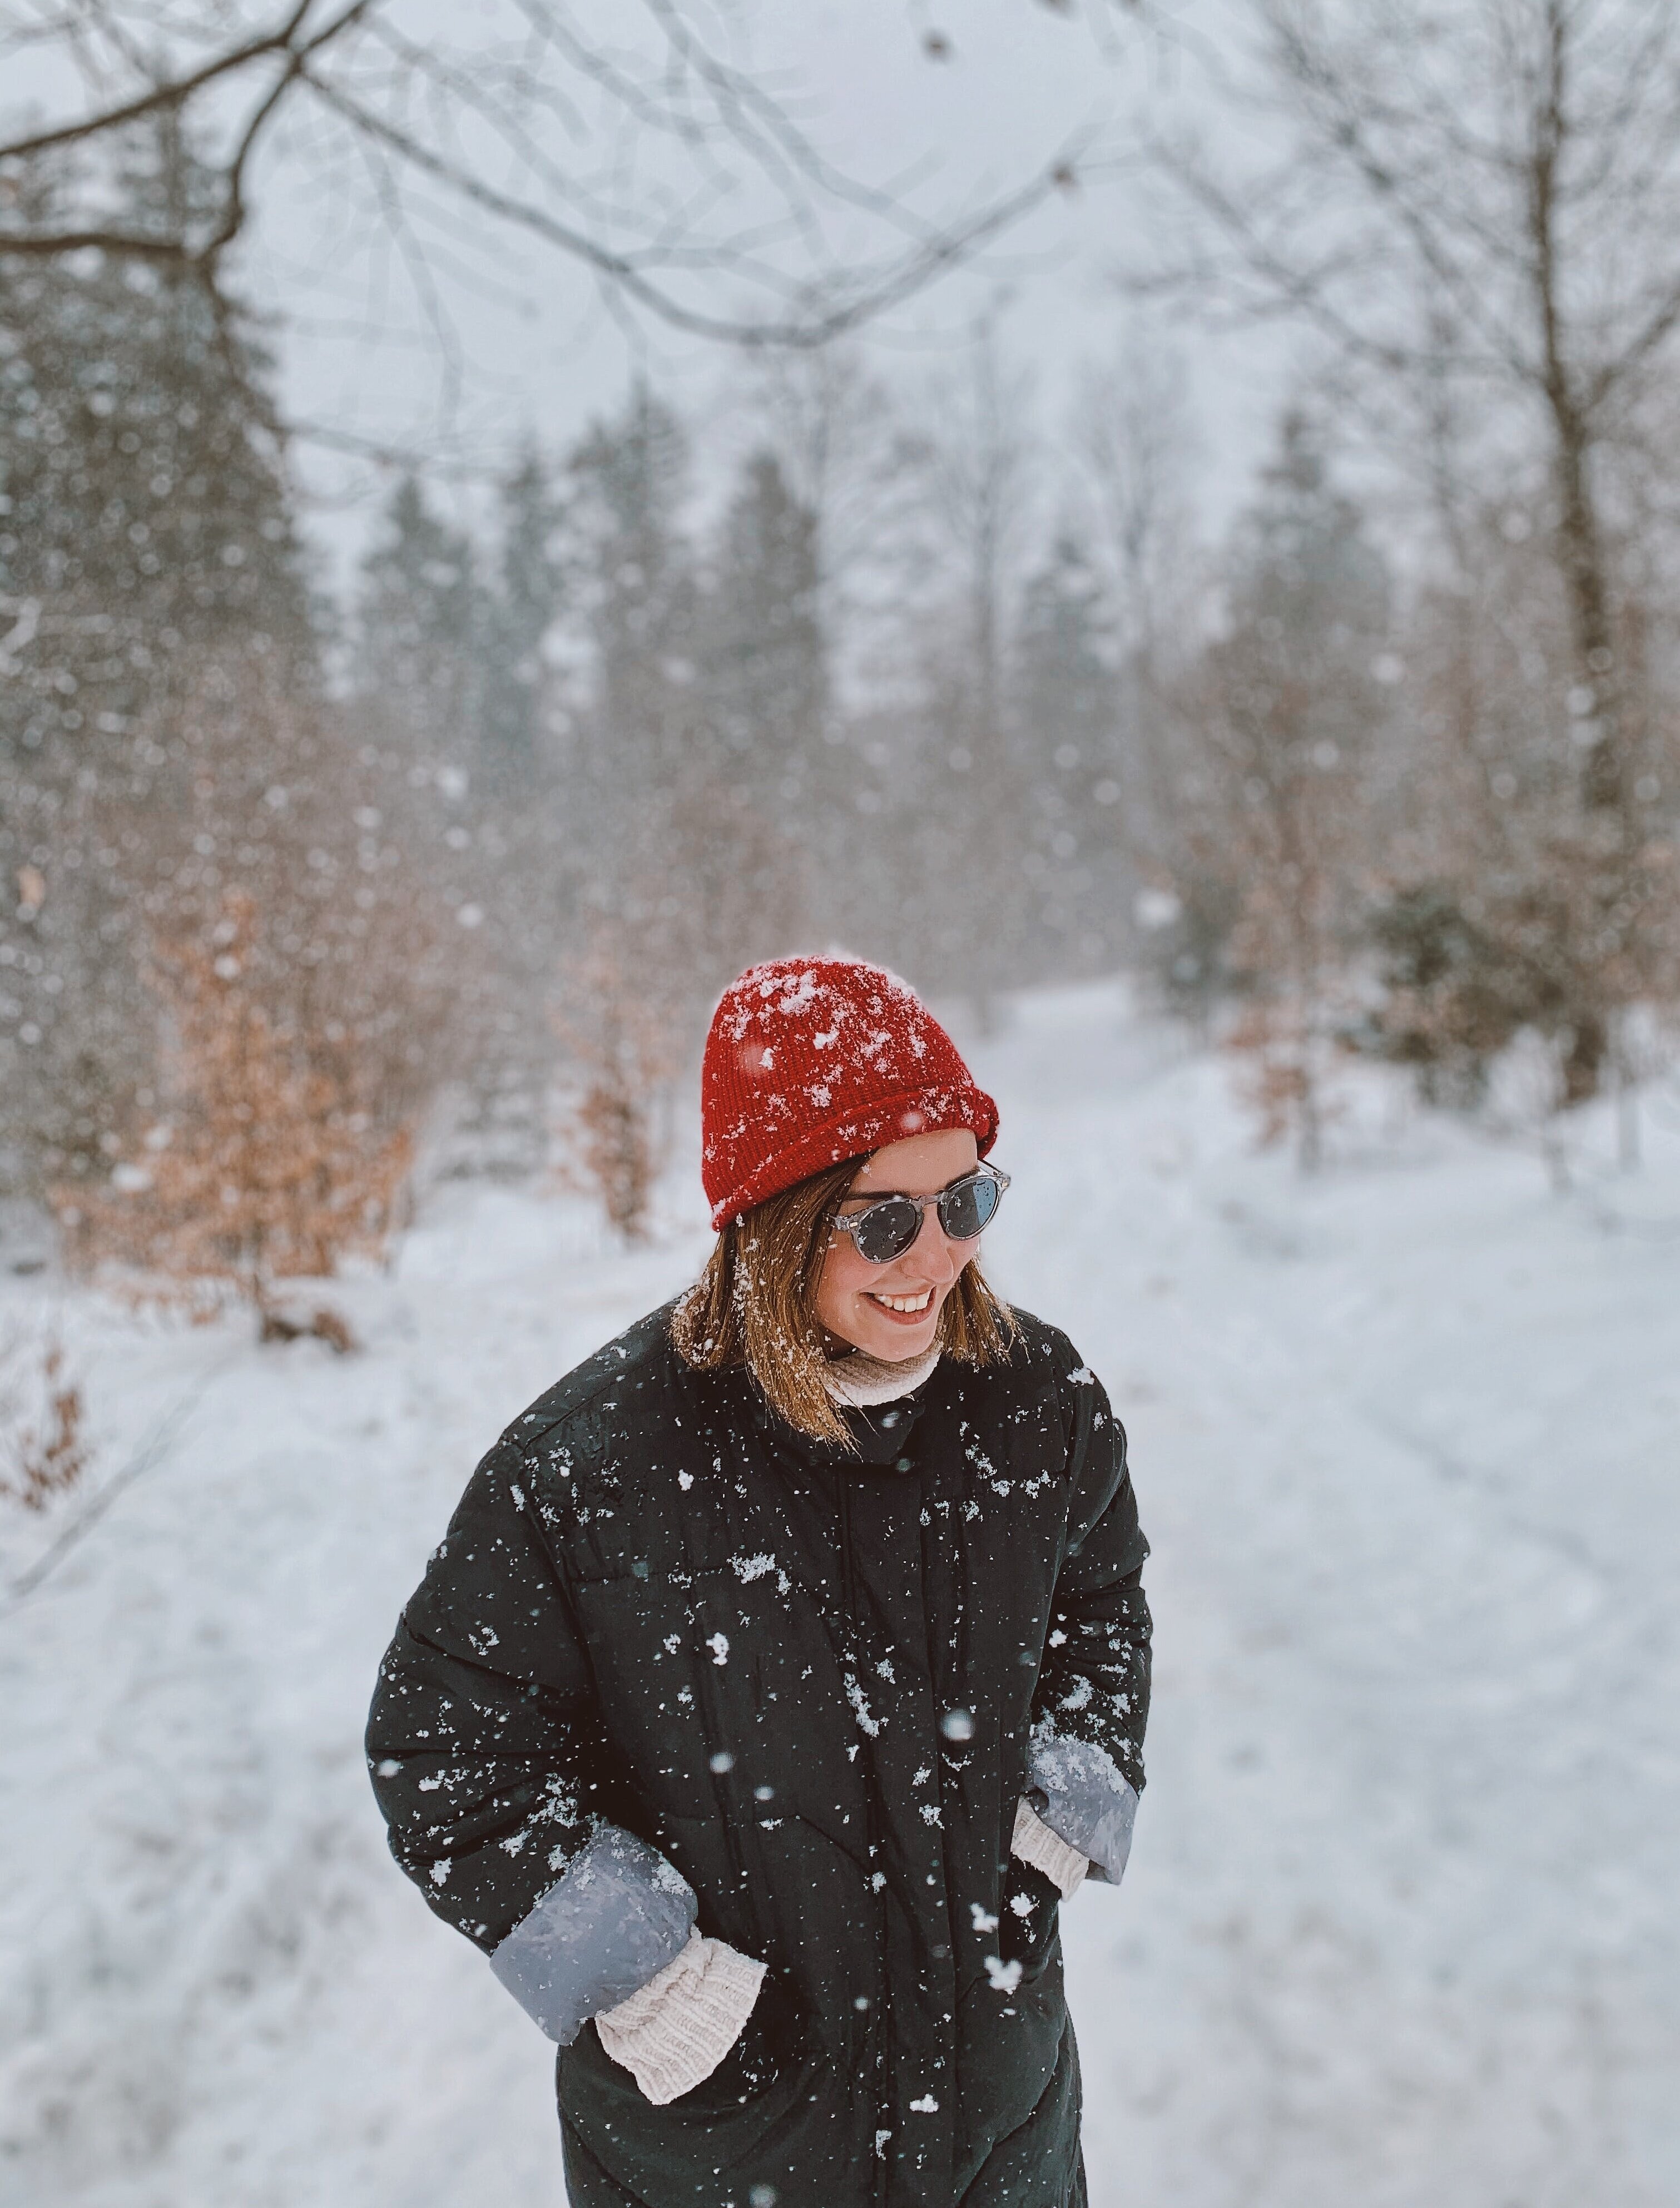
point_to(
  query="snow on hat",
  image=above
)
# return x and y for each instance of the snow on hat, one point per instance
(811, 1060)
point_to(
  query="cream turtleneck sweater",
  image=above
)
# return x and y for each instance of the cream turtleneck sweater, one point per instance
(861, 1381)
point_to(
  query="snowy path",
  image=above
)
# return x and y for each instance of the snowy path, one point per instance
(1399, 1925)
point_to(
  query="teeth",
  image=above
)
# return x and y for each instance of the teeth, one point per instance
(906, 1303)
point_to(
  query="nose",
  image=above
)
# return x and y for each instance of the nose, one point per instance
(933, 1252)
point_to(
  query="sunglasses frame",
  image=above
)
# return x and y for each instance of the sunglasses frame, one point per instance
(937, 1200)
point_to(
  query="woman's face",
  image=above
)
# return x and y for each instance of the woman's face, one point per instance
(892, 1311)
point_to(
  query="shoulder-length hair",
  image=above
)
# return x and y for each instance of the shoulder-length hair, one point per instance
(756, 1304)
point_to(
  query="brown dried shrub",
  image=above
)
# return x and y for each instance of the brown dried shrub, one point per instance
(613, 1129)
(266, 1165)
(44, 1455)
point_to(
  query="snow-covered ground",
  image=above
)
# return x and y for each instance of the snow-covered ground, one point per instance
(1400, 1927)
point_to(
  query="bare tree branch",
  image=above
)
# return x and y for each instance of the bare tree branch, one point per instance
(1487, 196)
(233, 218)
(475, 124)
(874, 294)
(173, 93)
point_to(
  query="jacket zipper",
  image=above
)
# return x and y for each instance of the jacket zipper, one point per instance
(720, 1790)
(873, 2045)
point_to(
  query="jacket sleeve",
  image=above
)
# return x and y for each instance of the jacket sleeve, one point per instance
(486, 1756)
(1085, 1765)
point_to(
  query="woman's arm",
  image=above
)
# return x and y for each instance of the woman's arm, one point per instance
(1085, 1768)
(485, 1748)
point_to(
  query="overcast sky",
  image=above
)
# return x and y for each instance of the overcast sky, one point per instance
(541, 353)
(535, 350)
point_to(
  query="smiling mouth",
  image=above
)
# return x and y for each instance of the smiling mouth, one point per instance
(902, 1306)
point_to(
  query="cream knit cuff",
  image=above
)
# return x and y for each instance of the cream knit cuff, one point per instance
(677, 2029)
(1035, 1843)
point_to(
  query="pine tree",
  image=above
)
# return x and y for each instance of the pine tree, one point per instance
(630, 482)
(145, 531)
(525, 604)
(971, 905)
(422, 622)
(765, 661)
(451, 676)
(1067, 702)
(688, 874)
(629, 479)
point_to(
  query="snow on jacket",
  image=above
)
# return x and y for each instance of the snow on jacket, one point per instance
(675, 1661)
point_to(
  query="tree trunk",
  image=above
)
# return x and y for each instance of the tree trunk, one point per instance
(1584, 1060)
(1581, 547)
(1580, 538)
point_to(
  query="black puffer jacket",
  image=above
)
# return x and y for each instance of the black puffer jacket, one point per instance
(811, 1680)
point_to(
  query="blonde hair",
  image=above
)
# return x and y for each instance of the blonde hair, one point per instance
(756, 1304)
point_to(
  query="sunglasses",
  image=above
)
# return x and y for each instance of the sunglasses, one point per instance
(887, 1230)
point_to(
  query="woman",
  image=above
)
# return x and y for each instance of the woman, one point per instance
(786, 1664)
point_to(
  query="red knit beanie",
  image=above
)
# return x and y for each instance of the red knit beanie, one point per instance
(811, 1060)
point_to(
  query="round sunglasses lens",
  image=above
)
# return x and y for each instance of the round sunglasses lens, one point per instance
(886, 1230)
(966, 1209)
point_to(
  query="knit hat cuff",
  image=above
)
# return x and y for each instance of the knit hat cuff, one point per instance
(854, 1134)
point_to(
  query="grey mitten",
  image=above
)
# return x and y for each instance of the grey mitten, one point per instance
(1085, 1798)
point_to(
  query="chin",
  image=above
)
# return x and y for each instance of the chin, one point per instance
(902, 1352)
(895, 1345)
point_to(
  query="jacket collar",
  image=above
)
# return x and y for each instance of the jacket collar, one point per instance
(881, 1430)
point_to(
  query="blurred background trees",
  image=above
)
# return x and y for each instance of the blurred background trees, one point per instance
(1288, 718)
(1472, 213)
(1390, 767)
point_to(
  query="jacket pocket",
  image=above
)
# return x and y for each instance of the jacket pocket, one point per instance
(1029, 1917)
(772, 2106)
(773, 2045)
